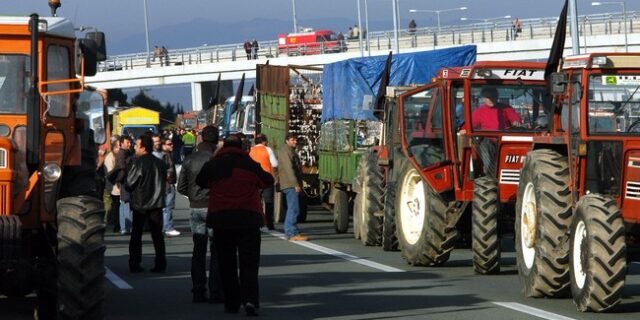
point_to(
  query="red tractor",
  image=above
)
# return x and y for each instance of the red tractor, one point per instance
(456, 141)
(578, 202)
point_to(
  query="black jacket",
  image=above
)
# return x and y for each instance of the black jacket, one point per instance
(146, 180)
(191, 166)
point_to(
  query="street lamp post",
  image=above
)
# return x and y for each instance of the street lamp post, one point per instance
(624, 18)
(360, 29)
(366, 25)
(395, 26)
(146, 30)
(437, 12)
(295, 21)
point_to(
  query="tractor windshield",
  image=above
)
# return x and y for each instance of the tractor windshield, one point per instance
(614, 104)
(510, 107)
(14, 84)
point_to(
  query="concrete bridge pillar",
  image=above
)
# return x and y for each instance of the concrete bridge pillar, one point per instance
(196, 96)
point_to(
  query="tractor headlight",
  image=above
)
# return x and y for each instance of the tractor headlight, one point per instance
(51, 172)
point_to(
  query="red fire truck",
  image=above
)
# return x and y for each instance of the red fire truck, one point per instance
(310, 42)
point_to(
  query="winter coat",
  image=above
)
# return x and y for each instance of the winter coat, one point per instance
(146, 180)
(191, 166)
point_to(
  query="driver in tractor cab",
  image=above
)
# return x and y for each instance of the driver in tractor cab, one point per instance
(492, 116)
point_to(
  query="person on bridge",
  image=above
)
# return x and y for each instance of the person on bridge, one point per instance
(146, 180)
(235, 213)
(247, 49)
(198, 203)
(262, 154)
(254, 49)
(290, 182)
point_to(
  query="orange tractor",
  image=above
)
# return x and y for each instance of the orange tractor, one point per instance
(51, 218)
(578, 205)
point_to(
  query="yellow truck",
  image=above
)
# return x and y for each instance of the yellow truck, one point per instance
(135, 121)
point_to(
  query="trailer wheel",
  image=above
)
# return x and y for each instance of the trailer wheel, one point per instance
(341, 211)
(421, 220)
(389, 235)
(543, 217)
(81, 257)
(368, 201)
(598, 254)
(485, 238)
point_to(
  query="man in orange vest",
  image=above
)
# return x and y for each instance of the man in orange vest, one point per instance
(264, 155)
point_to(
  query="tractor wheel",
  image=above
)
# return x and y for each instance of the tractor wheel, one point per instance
(81, 257)
(357, 217)
(421, 221)
(389, 236)
(543, 217)
(369, 200)
(598, 254)
(341, 211)
(485, 240)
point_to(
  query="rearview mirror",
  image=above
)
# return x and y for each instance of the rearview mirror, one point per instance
(101, 47)
(88, 49)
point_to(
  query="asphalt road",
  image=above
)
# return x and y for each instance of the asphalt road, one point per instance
(332, 276)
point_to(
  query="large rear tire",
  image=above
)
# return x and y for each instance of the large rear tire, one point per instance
(389, 233)
(598, 254)
(485, 240)
(81, 257)
(422, 222)
(368, 201)
(543, 217)
(341, 211)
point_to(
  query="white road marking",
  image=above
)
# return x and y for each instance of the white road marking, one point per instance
(338, 254)
(638, 263)
(117, 281)
(532, 311)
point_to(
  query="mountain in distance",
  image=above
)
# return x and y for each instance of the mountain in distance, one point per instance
(203, 31)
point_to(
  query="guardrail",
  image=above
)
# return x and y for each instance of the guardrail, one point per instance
(499, 30)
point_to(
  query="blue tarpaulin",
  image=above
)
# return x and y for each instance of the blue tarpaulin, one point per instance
(347, 84)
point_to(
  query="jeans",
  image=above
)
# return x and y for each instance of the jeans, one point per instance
(154, 217)
(125, 217)
(293, 210)
(201, 236)
(114, 213)
(167, 211)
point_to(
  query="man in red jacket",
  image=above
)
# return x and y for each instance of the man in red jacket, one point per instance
(235, 214)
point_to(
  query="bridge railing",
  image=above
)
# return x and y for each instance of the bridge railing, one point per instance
(494, 31)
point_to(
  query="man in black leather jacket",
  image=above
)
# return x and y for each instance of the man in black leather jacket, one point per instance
(198, 202)
(146, 180)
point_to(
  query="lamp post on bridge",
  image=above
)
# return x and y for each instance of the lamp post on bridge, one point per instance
(437, 12)
(146, 30)
(624, 17)
(295, 20)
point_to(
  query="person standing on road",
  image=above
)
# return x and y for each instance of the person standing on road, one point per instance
(123, 160)
(146, 180)
(262, 154)
(109, 165)
(198, 204)
(235, 213)
(188, 142)
(290, 180)
(170, 200)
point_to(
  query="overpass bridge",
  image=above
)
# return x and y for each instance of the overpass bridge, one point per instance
(495, 41)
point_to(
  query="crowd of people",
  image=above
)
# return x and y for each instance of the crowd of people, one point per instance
(230, 187)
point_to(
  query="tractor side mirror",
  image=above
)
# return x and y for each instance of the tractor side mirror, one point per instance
(101, 47)
(88, 51)
(559, 82)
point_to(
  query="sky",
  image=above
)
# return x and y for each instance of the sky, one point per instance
(189, 23)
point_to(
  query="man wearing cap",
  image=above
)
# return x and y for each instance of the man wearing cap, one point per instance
(492, 116)
(198, 204)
